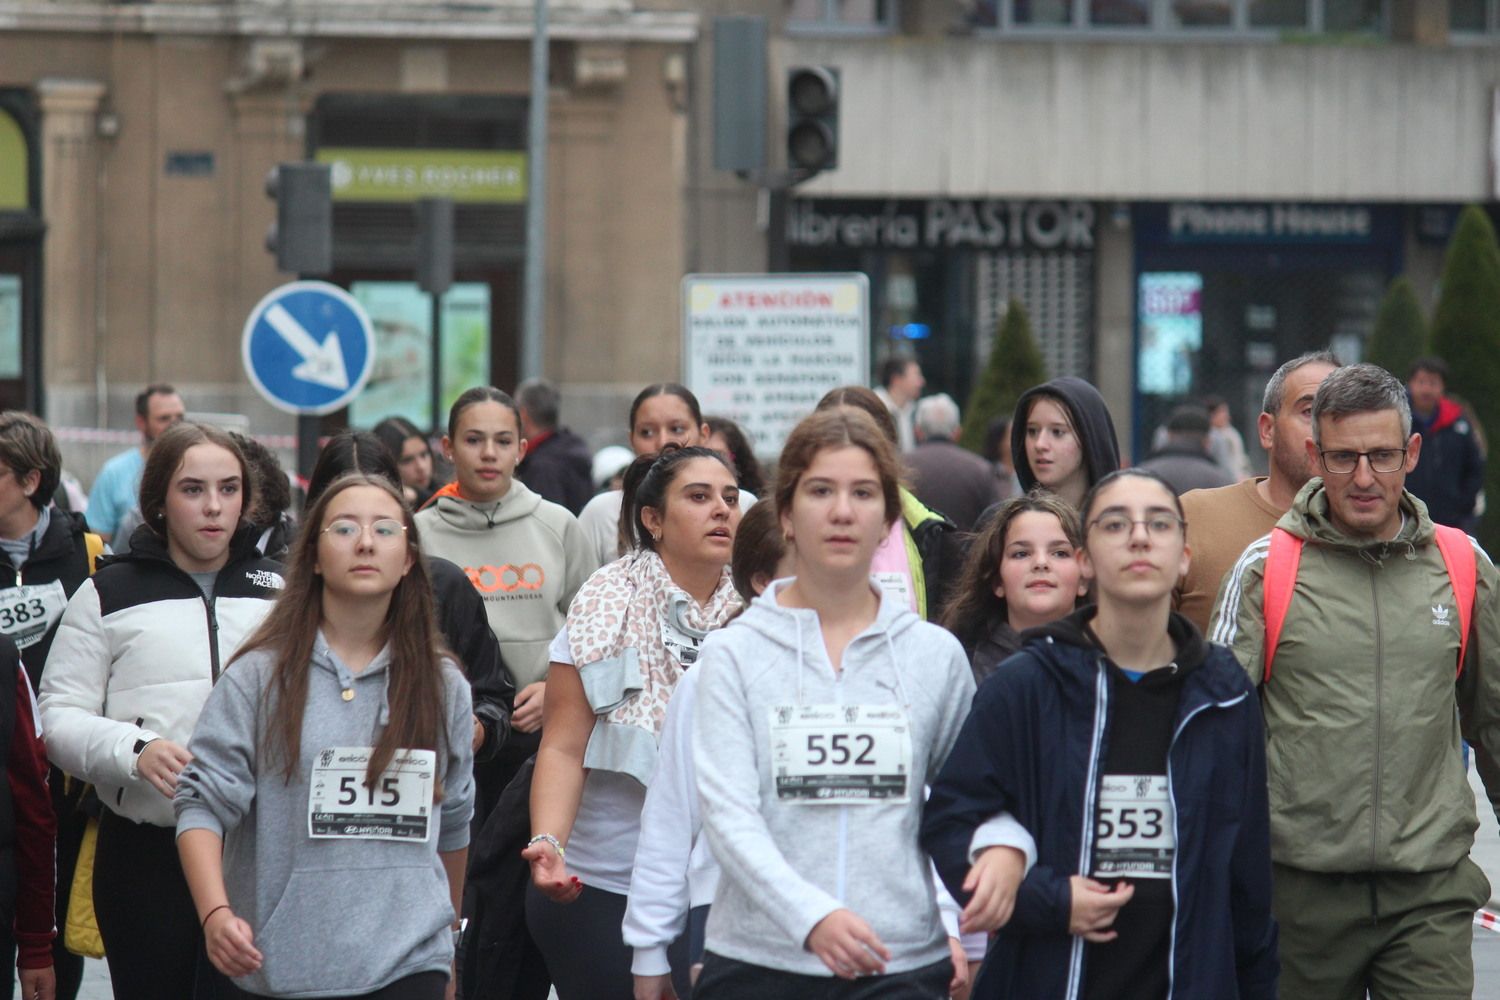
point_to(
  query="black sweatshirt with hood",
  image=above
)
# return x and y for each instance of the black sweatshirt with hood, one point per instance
(1091, 421)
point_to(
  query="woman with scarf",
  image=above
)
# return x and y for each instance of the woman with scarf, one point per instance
(632, 631)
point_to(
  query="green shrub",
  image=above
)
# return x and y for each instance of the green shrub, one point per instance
(1015, 365)
(1466, 334)
(1400, 330)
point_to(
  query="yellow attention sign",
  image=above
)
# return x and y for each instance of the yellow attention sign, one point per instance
(464, 175)
(14, 194)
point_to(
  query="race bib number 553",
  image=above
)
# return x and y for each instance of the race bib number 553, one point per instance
(840, 753)
(1135, 829)
(397, 806)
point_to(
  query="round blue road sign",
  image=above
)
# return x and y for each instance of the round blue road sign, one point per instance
(308, 347)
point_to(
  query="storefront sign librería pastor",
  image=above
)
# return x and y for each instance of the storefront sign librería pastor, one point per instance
(763, 349)
(938, 223)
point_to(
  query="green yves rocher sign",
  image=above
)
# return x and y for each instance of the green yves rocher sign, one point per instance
(464, 175)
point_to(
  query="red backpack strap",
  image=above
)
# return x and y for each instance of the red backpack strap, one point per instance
(1276, 588)
(1458, 557)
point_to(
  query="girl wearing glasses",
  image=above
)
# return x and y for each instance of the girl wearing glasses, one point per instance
(137, 651)
(1132, 752)
(324, 822)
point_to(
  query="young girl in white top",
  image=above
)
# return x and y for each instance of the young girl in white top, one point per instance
(820, 715)
(633, 629)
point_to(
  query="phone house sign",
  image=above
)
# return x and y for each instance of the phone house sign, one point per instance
(941, 223)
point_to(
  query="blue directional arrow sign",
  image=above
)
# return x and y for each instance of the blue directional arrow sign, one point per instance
(308, 348)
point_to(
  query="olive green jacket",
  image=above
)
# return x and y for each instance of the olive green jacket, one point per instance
(1362, 712)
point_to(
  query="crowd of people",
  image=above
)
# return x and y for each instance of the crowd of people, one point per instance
(893, 720)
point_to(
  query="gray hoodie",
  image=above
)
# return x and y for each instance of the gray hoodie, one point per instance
(526, 556)
(331, 917)
(787, 865)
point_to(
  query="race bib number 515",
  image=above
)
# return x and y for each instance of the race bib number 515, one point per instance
(397, 806)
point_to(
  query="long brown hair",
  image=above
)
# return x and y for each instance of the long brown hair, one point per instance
(973, 604)
(415, 693)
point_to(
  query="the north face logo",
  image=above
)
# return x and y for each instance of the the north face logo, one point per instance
(265, 578)
(1439, 615)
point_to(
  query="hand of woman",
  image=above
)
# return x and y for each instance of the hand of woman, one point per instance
(654, 988)
(993, 880)
(527, 718)
(478, 739)
(848, 945)
(958, 986)
(160, 762)
(230, 943)
(38, 984)
(550, 874)
(1095, 906)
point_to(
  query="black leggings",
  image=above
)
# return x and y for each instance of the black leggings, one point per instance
(584, 947)
(422, 986)
(152, 940)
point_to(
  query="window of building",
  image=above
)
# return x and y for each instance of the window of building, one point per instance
(841, 15)
(1470, 16)
(1191, 17)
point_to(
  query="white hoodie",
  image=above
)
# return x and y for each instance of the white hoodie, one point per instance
(787, 865)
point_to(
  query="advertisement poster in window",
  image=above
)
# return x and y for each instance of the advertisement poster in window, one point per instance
(402, 315)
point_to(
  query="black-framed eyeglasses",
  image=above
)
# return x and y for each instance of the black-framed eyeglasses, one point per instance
(1118, 526)
(1343, 463)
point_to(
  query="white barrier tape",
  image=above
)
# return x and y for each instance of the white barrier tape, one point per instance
(100, 435)
(1488, 919)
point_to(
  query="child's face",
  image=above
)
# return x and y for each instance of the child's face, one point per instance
(1040, 578)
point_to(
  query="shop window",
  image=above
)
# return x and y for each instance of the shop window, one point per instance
(1283, 14)
(1057, 290)
(1201, 13)
(841, 15)
(1120, 13)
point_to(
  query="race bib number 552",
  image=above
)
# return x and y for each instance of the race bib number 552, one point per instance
(840, 753)
(397, 806)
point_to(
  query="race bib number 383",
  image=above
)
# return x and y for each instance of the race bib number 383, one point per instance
(28, 611)
(840, 753)
(398, 806)
(1135, 833)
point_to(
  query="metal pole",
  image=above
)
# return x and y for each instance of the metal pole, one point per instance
(536, 202)
(435, 386)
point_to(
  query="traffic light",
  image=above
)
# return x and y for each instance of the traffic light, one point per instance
(812, 118)
(302, 235)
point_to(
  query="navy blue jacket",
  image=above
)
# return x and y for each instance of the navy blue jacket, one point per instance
(1039, 727)
(1450, 470)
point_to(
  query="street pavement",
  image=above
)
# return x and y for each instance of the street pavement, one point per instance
(1486, 942)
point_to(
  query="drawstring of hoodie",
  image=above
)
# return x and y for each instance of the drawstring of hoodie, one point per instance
(890, 646)
(798, 622)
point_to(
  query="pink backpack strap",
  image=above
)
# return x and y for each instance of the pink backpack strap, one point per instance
(1458, 557)
(1276, 588)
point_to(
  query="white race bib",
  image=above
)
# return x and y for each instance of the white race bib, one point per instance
(840, 753)
(682, 646)
(398, 806)
(28, 611)
(1135, 834)
(897, 586)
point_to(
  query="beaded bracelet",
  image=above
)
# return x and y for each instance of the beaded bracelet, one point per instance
(549, 839)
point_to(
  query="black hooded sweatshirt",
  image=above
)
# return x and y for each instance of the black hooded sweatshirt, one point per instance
(1091, 420)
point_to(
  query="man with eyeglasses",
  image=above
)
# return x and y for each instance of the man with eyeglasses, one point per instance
(1372, 818)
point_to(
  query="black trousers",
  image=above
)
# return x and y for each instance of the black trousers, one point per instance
(728, 979)
(585, 949)
(422, 986)
(152, 940)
